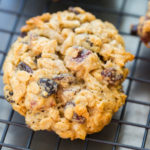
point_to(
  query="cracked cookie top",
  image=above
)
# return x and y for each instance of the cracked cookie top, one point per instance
(64, 73)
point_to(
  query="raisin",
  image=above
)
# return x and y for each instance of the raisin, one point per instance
(101, 58)
(67, 78)
(11, 101)
(23, 34)
(8, 96)
(134, 29)
(72, 9)
(146, 37)
(82, 55)
(48, 86)
(69, 103)
(24, 67)
(36, 58)
(11, 93)
(111, 76)
(79, 119)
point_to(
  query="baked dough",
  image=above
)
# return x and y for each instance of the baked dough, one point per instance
(65, 73)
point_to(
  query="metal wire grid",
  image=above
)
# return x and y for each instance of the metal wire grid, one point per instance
(131, 78)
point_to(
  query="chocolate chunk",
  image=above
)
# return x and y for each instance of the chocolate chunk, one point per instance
(47, 86)
(24, 67)
(134, 29)
(36, 58)
(79, 119)
(111, 75)
(82, 55)
(72, 9)
(23, 34)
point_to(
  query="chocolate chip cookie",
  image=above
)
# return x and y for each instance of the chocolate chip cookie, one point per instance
(65, 73)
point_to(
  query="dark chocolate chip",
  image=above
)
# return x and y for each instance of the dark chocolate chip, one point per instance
(82, 55)
(72, 9)
(134, 29)
(23, 34)
(24, 67)
(48, 86)
(111, 75)
(79, 119)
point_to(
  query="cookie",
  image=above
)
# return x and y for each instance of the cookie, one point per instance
(65, 73)
(143, 28)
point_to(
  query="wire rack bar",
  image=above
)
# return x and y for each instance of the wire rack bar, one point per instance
(120, 14)
(30, 139)
(13, 123)
(113, 121)
(6, 128)
(138, 102)
(22, 4)
(116, 144)
(127, 93)
(146, 131)
(14, 147)
(58, 143)
(94, 8)
(15, 13)
(97, 8)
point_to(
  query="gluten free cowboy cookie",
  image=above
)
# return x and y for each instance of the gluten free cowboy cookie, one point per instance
(65, 73)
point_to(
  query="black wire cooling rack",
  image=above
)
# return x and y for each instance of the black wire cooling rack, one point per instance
(120, 121)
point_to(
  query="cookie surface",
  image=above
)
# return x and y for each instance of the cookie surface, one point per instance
(143, 28)
(65, 73)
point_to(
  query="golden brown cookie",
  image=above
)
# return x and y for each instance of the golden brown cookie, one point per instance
(65, 73)
(143, 28)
